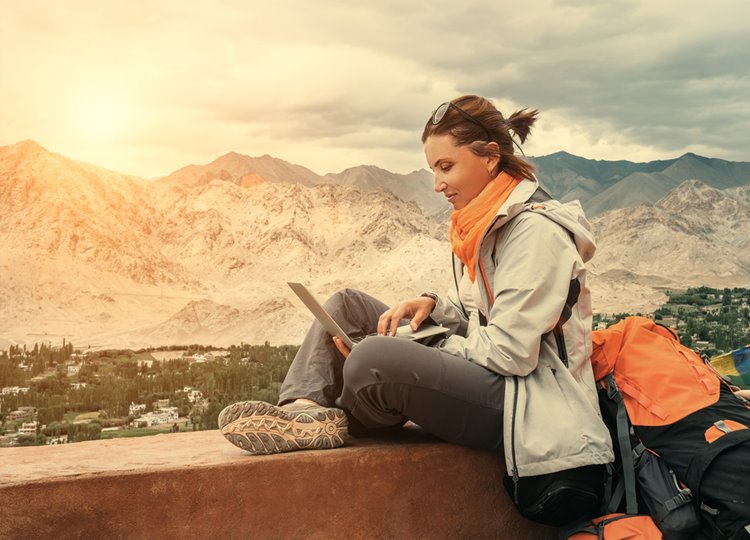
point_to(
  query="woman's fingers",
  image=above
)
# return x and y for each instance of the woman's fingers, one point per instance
(385, 321)
(416, 309)
(394, 324)
(403, 310)
(341, 346)
(419, 316)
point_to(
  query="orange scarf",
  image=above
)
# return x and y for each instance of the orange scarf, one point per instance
(469, 223)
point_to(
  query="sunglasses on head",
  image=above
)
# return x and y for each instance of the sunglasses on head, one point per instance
(439, 114)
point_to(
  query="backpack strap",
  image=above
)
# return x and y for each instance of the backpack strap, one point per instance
(626, 450)
(574, 290)
(540, 195)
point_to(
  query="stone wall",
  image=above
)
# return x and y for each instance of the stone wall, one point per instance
(197, 485)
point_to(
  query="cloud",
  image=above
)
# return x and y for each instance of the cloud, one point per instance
(332, 84)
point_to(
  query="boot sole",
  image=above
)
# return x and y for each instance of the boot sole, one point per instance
(262, 428)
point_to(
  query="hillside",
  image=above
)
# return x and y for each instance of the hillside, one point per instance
(695, 235)
(607, 185)
(107, 259)
(247, 171)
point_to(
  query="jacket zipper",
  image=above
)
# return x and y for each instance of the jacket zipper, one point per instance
(455, 281)
(487, 286)
(514, 468)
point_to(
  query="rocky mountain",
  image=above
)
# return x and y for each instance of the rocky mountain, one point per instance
(53, 205)
(695, 235)
(242, 170)
(108, 259)
(247, 171)
(607, 185)
(417, 186)
(105, 258)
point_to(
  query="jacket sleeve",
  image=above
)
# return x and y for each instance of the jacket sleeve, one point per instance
(535, 261)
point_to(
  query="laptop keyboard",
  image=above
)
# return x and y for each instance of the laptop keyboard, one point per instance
(360, 338)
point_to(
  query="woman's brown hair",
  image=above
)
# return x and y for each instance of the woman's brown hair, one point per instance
(468, 133)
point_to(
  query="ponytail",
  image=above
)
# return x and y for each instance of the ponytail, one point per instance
(520, 123)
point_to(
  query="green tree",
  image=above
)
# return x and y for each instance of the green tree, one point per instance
(32, 440)
(726, 298)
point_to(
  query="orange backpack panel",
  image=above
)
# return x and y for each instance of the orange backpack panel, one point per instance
(656, 392)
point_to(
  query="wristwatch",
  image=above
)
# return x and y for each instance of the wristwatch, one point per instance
(433, 296)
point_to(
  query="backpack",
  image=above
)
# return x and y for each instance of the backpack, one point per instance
(615, 527)
(678, 427)
(645, 482)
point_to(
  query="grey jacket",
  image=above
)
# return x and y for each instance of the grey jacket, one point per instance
(531, 278)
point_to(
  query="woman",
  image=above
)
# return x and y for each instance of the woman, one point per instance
(514, 369)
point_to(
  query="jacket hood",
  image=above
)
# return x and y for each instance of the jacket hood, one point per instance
(569, 215)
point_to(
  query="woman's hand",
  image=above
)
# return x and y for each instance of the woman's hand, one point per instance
(743, 393)
(416, 309)
(341, 346)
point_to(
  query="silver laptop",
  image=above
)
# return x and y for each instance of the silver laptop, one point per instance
(424, 331)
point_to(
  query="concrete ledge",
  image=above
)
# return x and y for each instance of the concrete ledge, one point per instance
(197, 485)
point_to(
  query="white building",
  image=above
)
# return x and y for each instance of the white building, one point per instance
(164, 415)
(136, 409)
(193, 394)
(73, 369)
(15, 390)
(28, 428)
(200, 358)
(169, 413)
(161, 404)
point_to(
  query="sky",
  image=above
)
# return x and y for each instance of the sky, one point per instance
(147, 87)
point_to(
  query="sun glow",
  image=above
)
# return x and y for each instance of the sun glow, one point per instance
(99, 124)
(102, 118)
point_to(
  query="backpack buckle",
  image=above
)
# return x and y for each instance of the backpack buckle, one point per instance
(613, 392)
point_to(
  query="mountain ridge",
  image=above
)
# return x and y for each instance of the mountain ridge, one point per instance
(607, 185)
(109, 259)
(600, 185)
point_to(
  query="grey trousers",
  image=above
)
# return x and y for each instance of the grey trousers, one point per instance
(386, 381)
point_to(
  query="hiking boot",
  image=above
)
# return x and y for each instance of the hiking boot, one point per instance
(262, 428)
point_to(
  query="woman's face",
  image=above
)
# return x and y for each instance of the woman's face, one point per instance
(460, 174)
